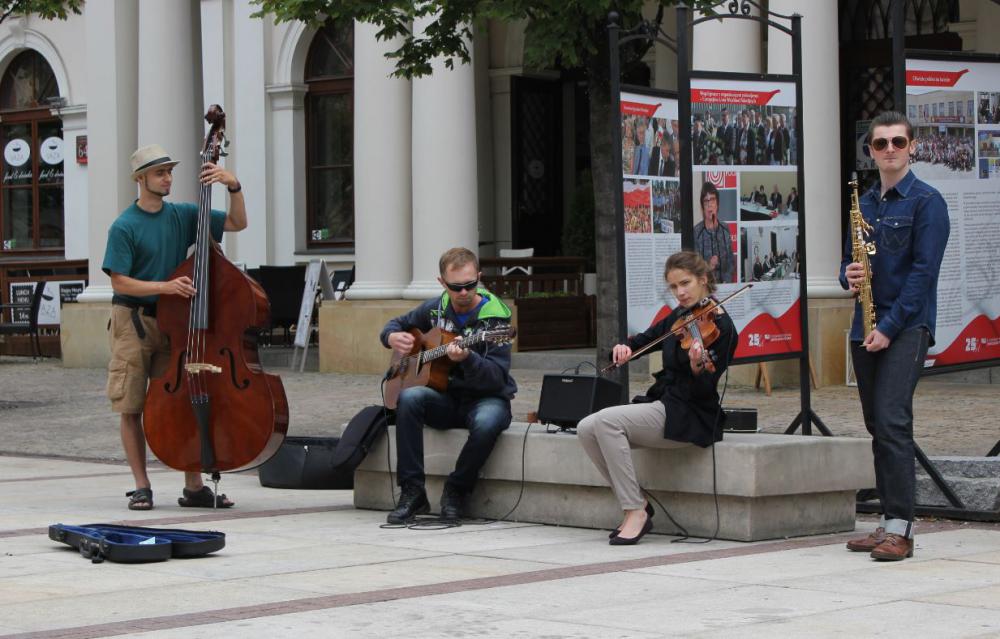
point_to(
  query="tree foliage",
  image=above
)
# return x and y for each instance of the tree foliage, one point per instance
(48, 9)
(559, 33)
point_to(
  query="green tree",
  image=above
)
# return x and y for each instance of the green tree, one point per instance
(559, 34)
(48, 9)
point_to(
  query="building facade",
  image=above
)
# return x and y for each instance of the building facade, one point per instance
(341, 161)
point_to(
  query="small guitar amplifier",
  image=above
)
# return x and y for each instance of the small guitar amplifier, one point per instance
(741, 420)
(566, 399)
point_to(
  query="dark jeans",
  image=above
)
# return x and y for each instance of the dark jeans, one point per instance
(886, 381)
(484, 418)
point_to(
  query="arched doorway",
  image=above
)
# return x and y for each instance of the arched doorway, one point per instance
(31, 165)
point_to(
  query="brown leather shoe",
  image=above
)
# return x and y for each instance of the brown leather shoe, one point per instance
(867, 544)
(894, 548)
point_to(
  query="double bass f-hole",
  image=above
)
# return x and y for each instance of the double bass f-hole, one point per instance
(232, 369)
(177, 379)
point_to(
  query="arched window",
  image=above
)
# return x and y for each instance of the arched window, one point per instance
(31, 187)
(330, 136)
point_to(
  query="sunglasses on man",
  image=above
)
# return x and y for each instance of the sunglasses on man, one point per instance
(880, 144)
(465, 286)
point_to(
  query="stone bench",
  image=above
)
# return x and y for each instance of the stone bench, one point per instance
(769, 486)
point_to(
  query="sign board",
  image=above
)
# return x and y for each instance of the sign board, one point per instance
(56, 292)
(317, 278)
(954, 105)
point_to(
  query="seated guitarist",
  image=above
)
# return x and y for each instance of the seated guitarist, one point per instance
(479, 386)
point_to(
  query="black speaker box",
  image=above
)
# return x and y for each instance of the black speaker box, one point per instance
(741, 420)
(566, 399)
(305, 462)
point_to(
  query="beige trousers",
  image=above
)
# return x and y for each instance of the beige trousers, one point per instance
(608, 437)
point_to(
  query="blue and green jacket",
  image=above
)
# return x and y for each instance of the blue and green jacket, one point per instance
(486, 371)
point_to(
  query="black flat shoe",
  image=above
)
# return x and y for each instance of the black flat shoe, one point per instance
(649, 513)
(631, 541)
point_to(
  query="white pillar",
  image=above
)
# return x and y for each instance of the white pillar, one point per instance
(820, 113)
(75, 186)
(445, 188)
(112, 53)
(726, 45)
(216, 42)
(171, 109)
(248, 157)
(288, 162)
(382, 170)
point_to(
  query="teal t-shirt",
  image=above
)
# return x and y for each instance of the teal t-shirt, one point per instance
(149, 246)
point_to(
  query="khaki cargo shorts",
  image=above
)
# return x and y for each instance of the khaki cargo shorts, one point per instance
(133, 360)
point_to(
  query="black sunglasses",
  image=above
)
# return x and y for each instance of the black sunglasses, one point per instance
(880, 144)
(466, 286)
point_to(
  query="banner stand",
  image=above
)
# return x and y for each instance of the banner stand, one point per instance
(652, 33)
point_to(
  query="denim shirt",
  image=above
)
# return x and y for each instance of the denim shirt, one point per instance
(910, 230)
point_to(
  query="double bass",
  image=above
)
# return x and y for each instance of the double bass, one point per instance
(214, 409)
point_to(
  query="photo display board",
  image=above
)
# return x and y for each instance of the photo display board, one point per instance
(954, 106)
(742, 139)
(650, 188)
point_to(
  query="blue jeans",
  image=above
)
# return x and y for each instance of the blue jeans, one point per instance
(485, 418)
(886, 381)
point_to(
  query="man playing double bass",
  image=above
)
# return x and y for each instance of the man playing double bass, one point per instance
(146, 243)
(479, 386)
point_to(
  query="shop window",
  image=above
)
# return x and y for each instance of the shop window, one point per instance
(330, 136)
(31, 187)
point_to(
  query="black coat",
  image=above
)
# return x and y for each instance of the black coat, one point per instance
(694, 413)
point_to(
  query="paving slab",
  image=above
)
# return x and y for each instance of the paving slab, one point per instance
(307, 564)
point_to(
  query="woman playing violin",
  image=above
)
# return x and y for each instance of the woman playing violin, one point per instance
(682, 408)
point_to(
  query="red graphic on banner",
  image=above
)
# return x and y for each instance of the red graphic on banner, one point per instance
(726, 96)
(721, 179)
(979, 340)
(764, 335)
(637, 195)
(639, 108)
(767, 335)
(916, 78)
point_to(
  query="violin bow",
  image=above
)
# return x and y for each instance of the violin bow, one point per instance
(659, 339)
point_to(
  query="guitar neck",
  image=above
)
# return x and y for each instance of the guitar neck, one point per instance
(441, 350)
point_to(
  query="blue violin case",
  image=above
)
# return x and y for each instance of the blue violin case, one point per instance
(136, 544)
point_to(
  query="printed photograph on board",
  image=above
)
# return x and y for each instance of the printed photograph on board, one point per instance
(943, 127)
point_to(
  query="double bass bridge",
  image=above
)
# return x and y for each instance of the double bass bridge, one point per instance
(199, 367)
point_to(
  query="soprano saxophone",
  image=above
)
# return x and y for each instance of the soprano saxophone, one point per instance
(860, 250)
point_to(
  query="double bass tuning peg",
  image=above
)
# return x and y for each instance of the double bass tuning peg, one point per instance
(223, 150)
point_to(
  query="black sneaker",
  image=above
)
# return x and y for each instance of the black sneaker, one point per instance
(412, 502)
(452, 503)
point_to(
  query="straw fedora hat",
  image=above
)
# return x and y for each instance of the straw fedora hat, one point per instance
(148, 157)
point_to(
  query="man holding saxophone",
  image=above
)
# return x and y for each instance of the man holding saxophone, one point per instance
(905, 245)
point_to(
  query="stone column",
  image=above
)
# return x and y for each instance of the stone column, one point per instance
(382, 170)
(249, 156)
(171, 109)
(725, 45)
(445, 187)
(830, 309)
(75, 185)
(820, 113)
(112, 52)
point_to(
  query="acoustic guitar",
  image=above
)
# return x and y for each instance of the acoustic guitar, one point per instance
(424, 366)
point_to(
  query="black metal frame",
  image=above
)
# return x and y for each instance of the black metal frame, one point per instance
(651, 32)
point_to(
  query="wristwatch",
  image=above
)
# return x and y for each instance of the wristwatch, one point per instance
(239, 187)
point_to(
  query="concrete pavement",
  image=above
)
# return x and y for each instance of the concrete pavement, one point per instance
(307, 564)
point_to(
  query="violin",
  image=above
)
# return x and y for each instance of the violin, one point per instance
(698, 324)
